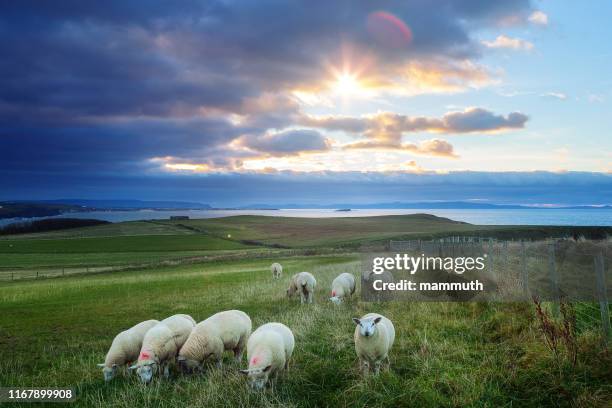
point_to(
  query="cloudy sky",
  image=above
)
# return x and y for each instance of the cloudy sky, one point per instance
(239, 102)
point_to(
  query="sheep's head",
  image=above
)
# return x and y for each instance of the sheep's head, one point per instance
(145, 370)
(109, 372)
(367, 326)
(335, 300)
(188, 366)
(291, 291)
(258, 377)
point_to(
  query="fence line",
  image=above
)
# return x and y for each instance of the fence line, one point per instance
(527, 259)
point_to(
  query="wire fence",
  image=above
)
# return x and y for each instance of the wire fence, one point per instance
(44, 272)
(576, 271)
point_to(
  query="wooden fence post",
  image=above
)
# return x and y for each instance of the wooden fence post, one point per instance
(490, 258)
(525, 274)
(506, 254)
(603, 297)
(554, 279)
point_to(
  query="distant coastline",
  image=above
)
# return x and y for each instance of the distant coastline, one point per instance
(22, 210)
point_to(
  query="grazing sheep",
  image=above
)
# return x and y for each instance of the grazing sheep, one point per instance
(269, 350)
(125, 348)
(161, 345)
(374, 336)
(277, 270)
(228, 330)
(343, 286)
(305, 283)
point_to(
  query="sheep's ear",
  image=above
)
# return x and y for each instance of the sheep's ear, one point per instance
(244, 371)
(267, 368)
(100, 365)
(377, 320)
(357, 321)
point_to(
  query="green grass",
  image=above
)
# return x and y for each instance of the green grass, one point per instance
(322, 231)
(126, 228)
(53, 332)
(28, 254)
(143, 243)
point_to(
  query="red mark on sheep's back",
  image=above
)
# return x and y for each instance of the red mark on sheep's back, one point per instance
(144, 355)
(333, 293)
(254, 360)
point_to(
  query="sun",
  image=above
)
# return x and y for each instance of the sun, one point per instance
(347, 84)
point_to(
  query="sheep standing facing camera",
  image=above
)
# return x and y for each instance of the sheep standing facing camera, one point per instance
(277, 270)
(228, 330)
(343, 286)
(125, 348)
(305, 284)
(374, 336)
(161, 345)
(269, 350)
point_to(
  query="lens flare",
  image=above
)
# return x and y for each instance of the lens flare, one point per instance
(388, 29)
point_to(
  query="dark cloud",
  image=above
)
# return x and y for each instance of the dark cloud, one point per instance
(237, 189)
(482, 120)
(113, 148)
(105, 91)
(290, 142)
(390, 126)
(161, 58)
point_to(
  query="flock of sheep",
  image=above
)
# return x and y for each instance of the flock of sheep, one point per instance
(155, 345)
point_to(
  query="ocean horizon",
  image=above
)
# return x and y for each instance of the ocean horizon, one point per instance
(535, 216)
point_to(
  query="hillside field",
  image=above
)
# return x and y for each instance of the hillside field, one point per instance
(53, 331)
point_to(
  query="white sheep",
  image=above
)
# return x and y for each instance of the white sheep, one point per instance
(161, 345)
(125, 348)
(374, 336)
(228, 330)
(305, 283)
(343, 286)
(269, 350)
(277, 270)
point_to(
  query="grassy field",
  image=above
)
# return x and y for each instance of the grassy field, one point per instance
(53, 332)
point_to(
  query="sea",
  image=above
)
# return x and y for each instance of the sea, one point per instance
(535, 216)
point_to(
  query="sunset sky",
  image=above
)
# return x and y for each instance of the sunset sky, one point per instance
(239, 102)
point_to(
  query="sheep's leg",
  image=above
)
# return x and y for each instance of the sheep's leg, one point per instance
(219, 363)
(302, 298)
(238, 353)
(377, 367)
(365, 369)
(166, 371)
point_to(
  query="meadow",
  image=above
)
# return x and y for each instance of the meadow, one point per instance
(54, 331)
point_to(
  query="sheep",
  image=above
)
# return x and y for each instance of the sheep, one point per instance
(269, 350)
(228, 330)
(161, 345)
(125, 348)
(374, 336)
(277, 270)
(343, 286)
(305, 283)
